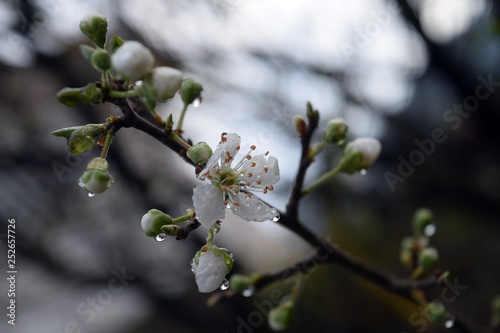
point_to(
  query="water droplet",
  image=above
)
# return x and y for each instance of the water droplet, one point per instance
(276, 218)
(90, 194)
(229, 253)
(160, 237)
(363, 172)
(449, 323)
(249, 291)
(197, 102)
(224, 285)
(429, 230)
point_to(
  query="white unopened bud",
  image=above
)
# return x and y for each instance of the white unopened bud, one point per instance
(96, 178)
(166, 82)
(153, 220)
(360, 154)
(132, 61)
(210, 266)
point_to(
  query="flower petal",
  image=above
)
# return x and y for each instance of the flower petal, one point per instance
(208, 204)
(252, 209)
(261, 172)
(230, 145)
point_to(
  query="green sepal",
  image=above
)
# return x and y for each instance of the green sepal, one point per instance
(80, 138)
(116, 42)
(76, 96)
(87, 51)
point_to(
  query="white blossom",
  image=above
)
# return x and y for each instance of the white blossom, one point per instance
(210, 268)
(166, 82)
(132, 61)
(229, 184)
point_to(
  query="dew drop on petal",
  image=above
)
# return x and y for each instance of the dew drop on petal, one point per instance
(160, 237)
(197, 102)
(276, 218)
(363, 172)
(429, 230)
(90, 194)
(249, 291)
(224, 285)
(449, 323)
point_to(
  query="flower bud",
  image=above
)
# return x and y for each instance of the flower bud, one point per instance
(132, 61)
(239, 282)
(80, 138)
(422, 222)
(96, 178)
(190, 91)
(76, 96)
(101, 60)
(166, 82)
(95, 27)
(281, 316)
(428, 259)
(300, 125)
(199, 153)
(210, 266)
(153, 220)
(335, 131)
(360, 154)
(436, 311)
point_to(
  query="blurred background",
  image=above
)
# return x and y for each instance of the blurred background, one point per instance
(395, 70)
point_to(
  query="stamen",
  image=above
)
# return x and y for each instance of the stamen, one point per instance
(247, 183)
(226, 202)
(265, 190)
(249, 195)
(237, 148)
(266, 169)
(252, 147)
(223, 137)
(250, 174)
(271, 187)
(253, 164)
(236, 203)
(267, 153)
(248, 157)
(259, 181)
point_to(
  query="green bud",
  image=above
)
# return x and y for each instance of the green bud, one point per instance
(76, 96)
(311, 113)
(101, 60)
(199, 153)
(281, 317)
(190, 91)
(360, 154)
(80, 138)
(436, 311)
(96, 178)
(335, 131)
(239, 282)
(423, 222)
(300, 125)
(428, 259)
(87, 51)
(153, 221)
(95, 27)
